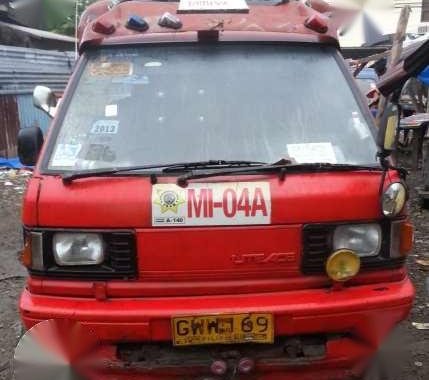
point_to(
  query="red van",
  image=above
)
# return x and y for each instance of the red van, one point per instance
(211, 199)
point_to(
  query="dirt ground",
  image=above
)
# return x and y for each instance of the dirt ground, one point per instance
(413, 347)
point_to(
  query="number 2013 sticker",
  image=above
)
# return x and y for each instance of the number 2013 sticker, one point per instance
(109, 127)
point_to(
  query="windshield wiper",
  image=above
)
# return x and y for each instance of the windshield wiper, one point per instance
(281, 168)
(210, 164)
(177, 166)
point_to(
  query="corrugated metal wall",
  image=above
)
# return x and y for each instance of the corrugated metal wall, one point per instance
(9, 125)
(21, 69)
(30, 116)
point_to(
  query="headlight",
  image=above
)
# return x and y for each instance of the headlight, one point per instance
(78, 249)
(393, 199)
(363, 239)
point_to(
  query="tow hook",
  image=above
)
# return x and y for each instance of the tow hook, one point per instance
(219, 367)
(244, 366)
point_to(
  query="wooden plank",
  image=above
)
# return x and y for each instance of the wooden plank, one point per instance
(395, 55)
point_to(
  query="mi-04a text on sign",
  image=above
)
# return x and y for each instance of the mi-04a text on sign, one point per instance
(205, 204)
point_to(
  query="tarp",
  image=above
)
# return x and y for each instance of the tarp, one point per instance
(424, 76)
(13, 163)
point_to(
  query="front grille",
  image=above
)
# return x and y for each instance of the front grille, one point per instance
(120, 248)
(317, 246)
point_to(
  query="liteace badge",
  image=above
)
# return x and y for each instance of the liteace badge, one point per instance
(210, 204)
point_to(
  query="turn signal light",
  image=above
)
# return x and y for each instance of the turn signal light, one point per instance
(407, 238)
(26, 252)
(401, 238)
(317, 23)
(343, 265)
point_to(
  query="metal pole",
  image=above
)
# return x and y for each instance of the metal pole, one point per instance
(76, 16)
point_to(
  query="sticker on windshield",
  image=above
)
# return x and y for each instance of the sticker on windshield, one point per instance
(66, 155)
(210, 204)
(132, 79)
(105, 127)
(111, 110)
(312, 152)
(153, 64)
(110, 69)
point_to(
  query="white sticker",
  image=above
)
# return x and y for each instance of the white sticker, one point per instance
(360, 128)
(195, 6)
(312, 152)
(111, 110)
(209, 204)
(108, 127)
(153, 64)
(66, 154)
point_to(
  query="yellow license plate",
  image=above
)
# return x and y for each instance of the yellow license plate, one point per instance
(223, 328)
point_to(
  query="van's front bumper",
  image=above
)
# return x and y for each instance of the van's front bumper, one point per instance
(360, 315)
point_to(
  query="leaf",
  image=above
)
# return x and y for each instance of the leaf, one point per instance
(59, 15)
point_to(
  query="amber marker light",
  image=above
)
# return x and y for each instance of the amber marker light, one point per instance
(26, 252)
(407, 238)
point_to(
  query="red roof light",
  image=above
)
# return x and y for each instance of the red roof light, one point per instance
(318, 23)
(103, 27)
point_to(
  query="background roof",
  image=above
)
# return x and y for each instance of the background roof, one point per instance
(21, 69)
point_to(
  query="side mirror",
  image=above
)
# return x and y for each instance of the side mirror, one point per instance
(44, 99)
(30, 141)
(388, 127)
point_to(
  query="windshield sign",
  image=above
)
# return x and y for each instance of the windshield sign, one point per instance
(167, 104)
(201, 6)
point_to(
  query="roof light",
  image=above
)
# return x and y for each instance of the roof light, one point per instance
(317, 23)
(103, 27)
(137, 23)
(169, 21)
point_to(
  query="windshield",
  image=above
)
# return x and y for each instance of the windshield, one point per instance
(166, 104)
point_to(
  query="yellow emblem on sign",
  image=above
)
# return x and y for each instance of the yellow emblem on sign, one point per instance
(169, 200)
